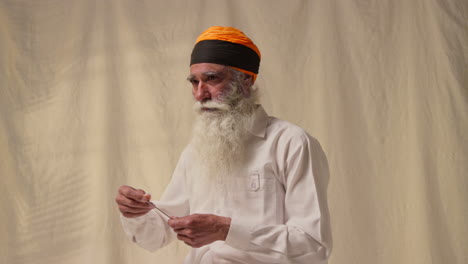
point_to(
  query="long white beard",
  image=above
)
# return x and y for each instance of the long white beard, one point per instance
(218, 142)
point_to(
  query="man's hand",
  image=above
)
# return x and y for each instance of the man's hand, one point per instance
(132, 202)
(200, 229)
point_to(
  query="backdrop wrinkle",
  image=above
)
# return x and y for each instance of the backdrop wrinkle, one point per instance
(93, 96)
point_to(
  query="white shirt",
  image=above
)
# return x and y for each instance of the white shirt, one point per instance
(279, 216)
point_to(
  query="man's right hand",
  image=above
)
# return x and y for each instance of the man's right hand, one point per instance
(132, 202)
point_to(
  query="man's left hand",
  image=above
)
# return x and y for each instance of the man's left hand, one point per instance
(198, 230)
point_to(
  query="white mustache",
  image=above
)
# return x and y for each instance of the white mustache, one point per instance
(212, 105)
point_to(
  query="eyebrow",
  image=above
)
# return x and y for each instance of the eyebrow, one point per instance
(192, 77)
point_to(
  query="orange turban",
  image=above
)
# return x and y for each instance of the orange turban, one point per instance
(227, 46)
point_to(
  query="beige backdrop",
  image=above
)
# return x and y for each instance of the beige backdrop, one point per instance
(93, 95)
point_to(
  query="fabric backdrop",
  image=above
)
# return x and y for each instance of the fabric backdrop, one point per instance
(93, 95)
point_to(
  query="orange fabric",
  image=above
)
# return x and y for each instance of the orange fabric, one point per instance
(254, 76)
(230, 34)
(233, 35)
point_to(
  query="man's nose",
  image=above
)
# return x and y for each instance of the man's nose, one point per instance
(201, 92)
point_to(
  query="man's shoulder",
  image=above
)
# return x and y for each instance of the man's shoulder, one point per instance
(287, 131)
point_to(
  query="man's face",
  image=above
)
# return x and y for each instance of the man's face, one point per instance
(209, 81)
(224, 107)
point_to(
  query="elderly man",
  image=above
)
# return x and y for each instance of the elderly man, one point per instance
(249, 188)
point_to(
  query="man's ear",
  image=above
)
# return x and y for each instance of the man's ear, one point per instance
(248, 78)
(247, 82)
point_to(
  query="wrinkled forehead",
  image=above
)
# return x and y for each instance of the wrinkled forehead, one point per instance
(200, 69)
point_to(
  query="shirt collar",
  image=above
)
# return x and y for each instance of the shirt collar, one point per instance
(258, 122)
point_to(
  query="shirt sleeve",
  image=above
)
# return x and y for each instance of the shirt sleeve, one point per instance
(305, 237)
(151, 231)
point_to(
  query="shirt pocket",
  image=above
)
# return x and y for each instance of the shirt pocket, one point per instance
(257, 199)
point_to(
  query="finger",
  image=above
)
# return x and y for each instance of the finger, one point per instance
(185, 222)
(186, 240)
(191, 233)
(178, 223)
(194, 242)
(126, 209)
(132, 193)
(121, 199)
(147, 196)
(186, 232)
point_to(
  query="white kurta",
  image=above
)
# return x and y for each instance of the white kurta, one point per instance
(280, 214)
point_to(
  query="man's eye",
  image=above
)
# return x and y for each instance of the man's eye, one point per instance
(194, 82)
(211, 77)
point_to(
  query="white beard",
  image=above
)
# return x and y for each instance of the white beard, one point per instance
(218, 142)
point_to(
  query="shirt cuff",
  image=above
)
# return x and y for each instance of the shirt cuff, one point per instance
(240, 234)
(133, 226)
(130, 225)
